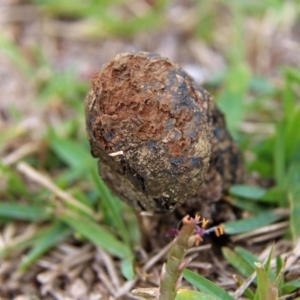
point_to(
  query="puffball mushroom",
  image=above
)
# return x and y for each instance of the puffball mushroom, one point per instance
(157, 135)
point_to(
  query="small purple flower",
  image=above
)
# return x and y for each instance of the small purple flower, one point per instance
(199, 228)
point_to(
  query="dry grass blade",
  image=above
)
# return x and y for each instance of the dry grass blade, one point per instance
(44, 181)
(240, 291)
(293, 256)
(67, 264)
(269, 232)
(267, 237)
(104, 279)
(126, 288)
(20, 153)
(198, 249)
(9, 240)
(110, 267)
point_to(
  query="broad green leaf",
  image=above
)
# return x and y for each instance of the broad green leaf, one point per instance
(206, 286)
(255, 222)
(97, 234)
(51, 237)
(193, 295)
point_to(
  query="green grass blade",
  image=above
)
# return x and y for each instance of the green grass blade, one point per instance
(279, 267)
(230, 102)
(268, 263)
(55, 234)
(15, 185)
(246, 255)
(206, 286)
(294, 196)
(274, 195)
(247, 205)
(236, 260)
(10, 49)
(279, 154)
(22, 242)
(113, 205)
(18, 211)
(292, 134)
(72, 153)
(291, 286)
(266, 290)
(193, 295)
(292, 76)
(97, 234)
(247, 191)
(127, 268)
(131, 221)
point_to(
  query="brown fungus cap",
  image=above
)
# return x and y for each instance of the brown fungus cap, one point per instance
(151, 127)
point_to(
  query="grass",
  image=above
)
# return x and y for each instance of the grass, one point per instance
(50, 180)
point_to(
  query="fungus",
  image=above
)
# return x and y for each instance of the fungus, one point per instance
(157, 135)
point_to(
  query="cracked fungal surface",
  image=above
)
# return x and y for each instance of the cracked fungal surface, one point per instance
(165, 128)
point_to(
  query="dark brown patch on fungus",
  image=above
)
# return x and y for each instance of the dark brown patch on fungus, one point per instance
(150, 109)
